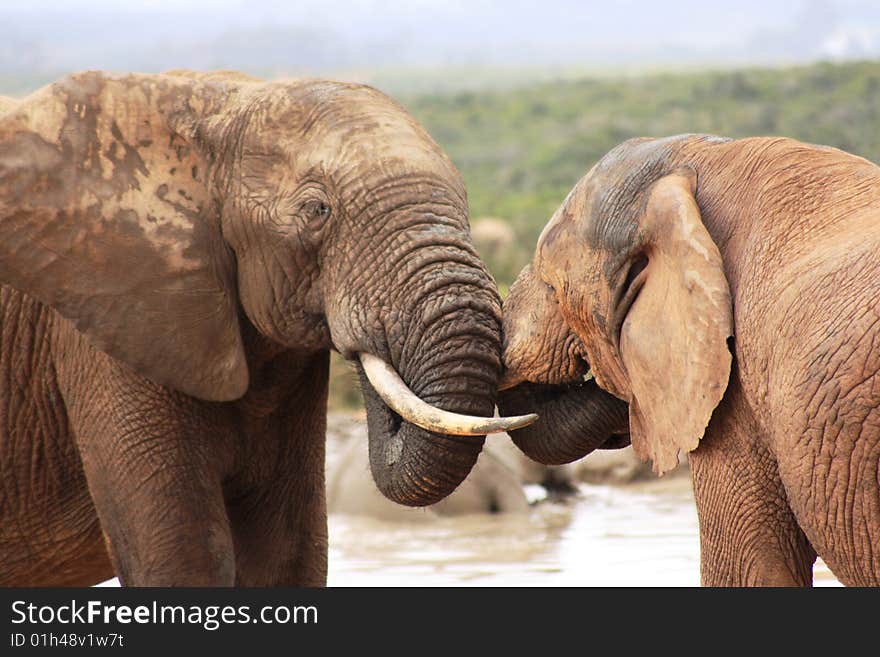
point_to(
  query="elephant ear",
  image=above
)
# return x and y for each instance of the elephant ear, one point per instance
(673, 340)
(105, 216)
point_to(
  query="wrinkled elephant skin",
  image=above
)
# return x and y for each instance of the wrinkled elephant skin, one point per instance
(178, 255)
(725, 295)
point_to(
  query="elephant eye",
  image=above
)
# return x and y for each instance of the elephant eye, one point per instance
(316, 210)
(319, 209)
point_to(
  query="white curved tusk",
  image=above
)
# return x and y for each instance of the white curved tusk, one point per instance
(403, 401)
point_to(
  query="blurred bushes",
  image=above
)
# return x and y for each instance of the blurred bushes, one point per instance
(345, 391)
(521, 151)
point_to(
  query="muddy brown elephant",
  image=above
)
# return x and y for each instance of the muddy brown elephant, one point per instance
(725, 295)
(179, 253)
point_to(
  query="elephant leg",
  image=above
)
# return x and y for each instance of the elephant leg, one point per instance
(165, 523)
(831, 470)
(748, 533)
(280, 528)
(277, 502)
(154, 468)
(282, 545)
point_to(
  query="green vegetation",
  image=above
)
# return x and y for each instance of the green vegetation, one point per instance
(522, 150)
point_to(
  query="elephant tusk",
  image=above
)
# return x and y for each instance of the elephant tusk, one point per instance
(403, 401)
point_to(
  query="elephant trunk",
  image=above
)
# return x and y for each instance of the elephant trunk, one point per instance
(575, 420)
(447, 351)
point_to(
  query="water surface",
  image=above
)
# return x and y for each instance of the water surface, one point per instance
(634, 535)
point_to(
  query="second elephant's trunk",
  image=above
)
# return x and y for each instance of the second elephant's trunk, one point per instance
(574, 420)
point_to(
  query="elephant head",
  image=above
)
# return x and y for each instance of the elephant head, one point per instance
(626, 283)
(162, 213)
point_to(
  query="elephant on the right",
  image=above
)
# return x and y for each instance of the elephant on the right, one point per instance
(722, 298)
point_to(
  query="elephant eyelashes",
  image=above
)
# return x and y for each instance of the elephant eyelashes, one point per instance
(316, 212)
(321, 211)
(316, 209)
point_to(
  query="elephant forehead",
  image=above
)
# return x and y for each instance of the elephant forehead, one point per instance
(375, 145)
(357, 125)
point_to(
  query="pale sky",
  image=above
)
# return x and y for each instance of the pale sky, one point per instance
(303, 36)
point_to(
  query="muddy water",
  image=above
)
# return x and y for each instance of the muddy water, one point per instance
(634, 535)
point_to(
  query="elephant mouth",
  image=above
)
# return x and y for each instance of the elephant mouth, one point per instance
(616, 439)
(512, 387)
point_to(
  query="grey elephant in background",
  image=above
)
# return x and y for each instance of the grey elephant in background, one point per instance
(495, 485)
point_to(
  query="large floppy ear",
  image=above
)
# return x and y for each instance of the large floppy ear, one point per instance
(106, 215)
(673, 340)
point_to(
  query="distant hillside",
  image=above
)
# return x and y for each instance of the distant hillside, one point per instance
(522, 150)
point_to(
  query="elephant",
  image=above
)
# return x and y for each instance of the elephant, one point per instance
(718, 297)
(494, 485)
(179, 253)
